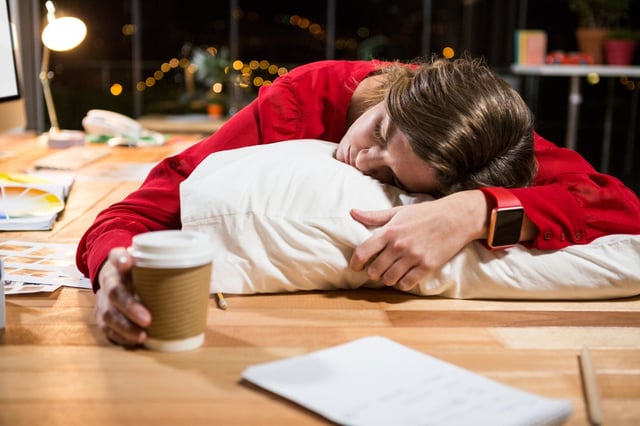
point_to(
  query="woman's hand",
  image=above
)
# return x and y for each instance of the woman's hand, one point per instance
(118, 314)
(416, 239)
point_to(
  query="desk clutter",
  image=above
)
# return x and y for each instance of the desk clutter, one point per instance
(39, 267)
(32, 201)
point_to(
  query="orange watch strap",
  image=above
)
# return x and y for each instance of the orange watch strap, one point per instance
(503, 198)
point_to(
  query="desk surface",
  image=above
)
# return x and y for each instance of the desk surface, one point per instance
(56, 368)
(188, 123)
(577, 70)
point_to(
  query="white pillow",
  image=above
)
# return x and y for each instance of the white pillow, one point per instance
(278, 217)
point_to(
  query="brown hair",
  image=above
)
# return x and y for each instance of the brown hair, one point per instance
(464, 120)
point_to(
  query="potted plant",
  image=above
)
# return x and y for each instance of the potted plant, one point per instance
(595, 18)
(620, 46)
(211, 67)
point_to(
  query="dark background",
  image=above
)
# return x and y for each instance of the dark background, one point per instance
(386, 30)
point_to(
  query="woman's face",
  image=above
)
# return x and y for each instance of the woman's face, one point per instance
(378, 149)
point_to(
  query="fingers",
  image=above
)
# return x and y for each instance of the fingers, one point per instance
(119, 315)
(392, 268)
(411, 278)
(365, 252)
(374, 245)
(373, 218)
(391, 261)
(123, 262)
(114, 324)
(126, 304)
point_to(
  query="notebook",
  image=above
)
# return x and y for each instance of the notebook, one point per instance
(376, 381)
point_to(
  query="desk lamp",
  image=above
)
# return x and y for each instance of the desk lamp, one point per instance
(60, 34)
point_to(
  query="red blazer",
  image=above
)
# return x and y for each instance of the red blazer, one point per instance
(569, 202)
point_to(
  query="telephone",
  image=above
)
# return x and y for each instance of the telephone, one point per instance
(121, 129)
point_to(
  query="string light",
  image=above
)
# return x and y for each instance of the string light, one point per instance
(246, 70)
(629, 84)
(245, 79)
(593, 78)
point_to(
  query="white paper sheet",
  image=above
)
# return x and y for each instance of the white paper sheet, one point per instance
(45, 264)
(376, 381)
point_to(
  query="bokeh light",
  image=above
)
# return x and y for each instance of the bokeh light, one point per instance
(116, 89)
(128, 29)
(448, 52)
(252, 73)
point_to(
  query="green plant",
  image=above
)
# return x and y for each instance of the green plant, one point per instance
(600, 13)
(623, 34)
(210, 64)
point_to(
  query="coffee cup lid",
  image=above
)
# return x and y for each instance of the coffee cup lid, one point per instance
(171, 248)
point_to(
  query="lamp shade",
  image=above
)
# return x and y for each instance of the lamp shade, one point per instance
(65, 33)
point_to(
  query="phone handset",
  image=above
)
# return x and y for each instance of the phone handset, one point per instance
(124, 130)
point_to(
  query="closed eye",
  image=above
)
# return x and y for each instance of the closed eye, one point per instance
(382, 140)
(377, 132)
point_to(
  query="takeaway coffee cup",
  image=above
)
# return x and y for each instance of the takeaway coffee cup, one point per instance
(171, 275)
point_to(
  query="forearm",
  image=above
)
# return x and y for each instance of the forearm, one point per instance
(478, 211)
(97, 242)
(154, 206)
(571, 203)
(579, 211)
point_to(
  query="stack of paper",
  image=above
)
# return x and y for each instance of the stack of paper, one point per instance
(376, 381)
(31, 267)
(32, 202)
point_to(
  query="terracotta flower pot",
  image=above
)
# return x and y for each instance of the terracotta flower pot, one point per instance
(591, 41)
(619, 52)
(215, 110)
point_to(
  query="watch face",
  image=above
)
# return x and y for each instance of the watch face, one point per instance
(508, 223)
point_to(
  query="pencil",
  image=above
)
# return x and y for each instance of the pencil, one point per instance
(590, 384)
(222, 303)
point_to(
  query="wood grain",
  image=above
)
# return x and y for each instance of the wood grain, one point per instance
(56, 368)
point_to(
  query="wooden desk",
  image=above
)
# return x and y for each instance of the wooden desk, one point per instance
(191, 123)
(56, 368)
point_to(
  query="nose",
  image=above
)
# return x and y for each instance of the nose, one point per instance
(372, 162)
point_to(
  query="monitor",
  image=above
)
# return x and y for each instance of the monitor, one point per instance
(12, 111)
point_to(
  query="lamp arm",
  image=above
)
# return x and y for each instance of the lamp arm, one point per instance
(46, 89)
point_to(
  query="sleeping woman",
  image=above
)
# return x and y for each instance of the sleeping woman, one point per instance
(453, 129)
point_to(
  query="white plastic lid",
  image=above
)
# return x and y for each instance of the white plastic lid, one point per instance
(171, 249)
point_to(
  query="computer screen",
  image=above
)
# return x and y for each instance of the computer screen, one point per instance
(13, 116)
(9, 86)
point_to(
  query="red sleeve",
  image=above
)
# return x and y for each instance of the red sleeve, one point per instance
(156, 204)
(311, 101)
(571, 203)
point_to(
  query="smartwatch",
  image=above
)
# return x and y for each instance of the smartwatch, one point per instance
(506, 219)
